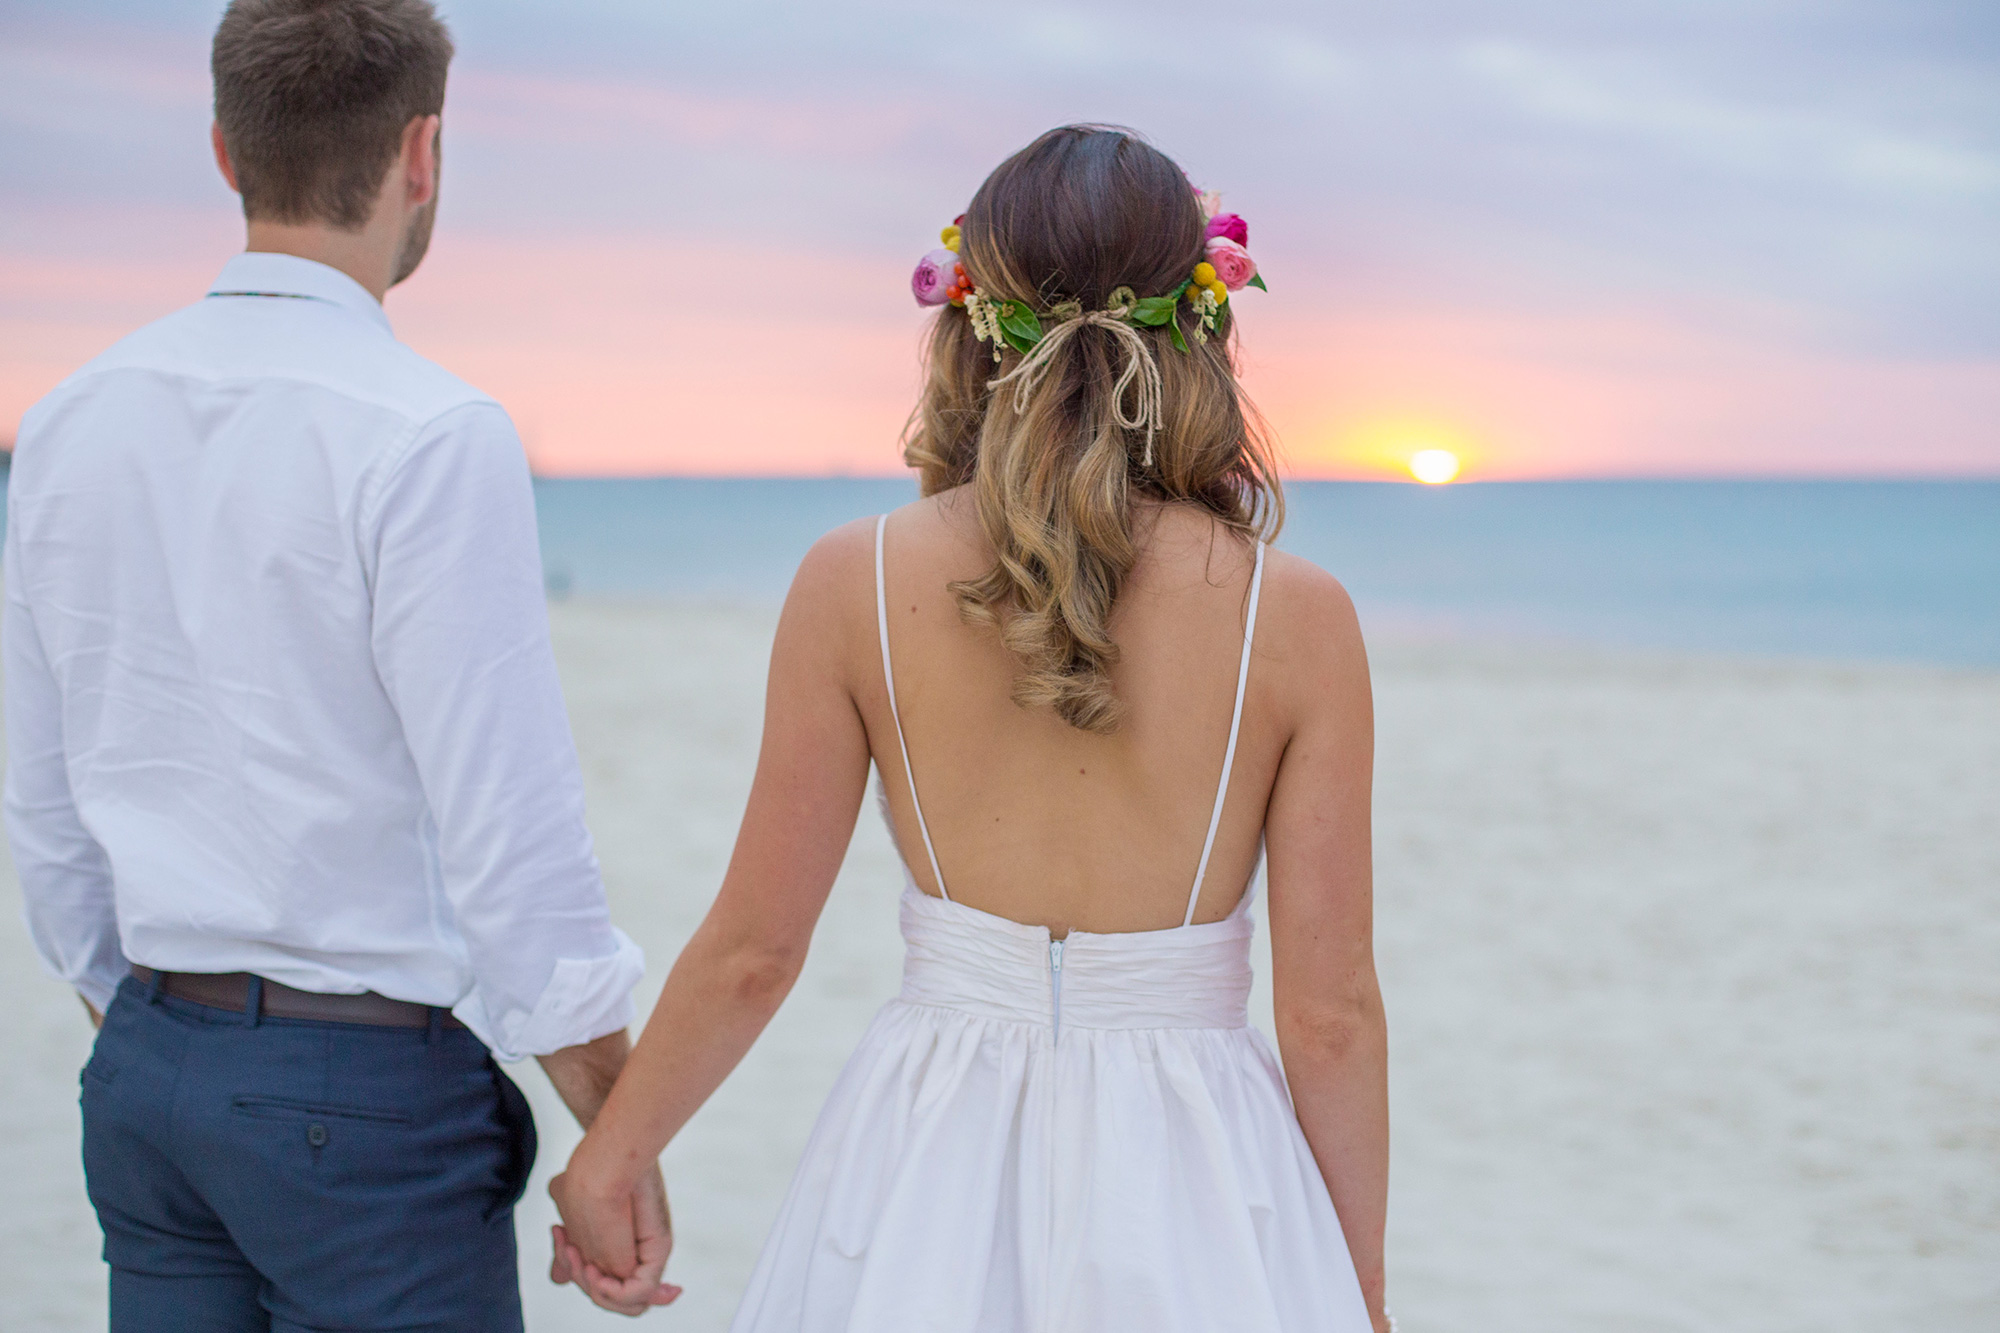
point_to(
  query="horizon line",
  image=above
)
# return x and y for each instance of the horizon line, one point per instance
(1566, 478)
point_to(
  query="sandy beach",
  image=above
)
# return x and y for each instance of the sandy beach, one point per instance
(1693, 974)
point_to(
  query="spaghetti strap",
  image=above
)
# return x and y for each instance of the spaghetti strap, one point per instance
(889, 679)
(1235, 723)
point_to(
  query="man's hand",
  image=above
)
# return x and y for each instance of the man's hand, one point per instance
(642, 1219)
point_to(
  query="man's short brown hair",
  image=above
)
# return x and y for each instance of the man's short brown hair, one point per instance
(312, 97)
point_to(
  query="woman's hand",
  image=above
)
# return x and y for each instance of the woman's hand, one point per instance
(614, 1240)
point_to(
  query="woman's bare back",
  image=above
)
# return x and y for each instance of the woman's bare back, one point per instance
(1035, 820)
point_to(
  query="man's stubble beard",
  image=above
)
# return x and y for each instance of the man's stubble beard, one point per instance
(416, 242)
(417, 236)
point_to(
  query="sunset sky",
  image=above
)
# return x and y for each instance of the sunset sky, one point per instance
(1558, 237)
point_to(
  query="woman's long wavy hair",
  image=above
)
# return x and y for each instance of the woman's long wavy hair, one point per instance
(1079, 212)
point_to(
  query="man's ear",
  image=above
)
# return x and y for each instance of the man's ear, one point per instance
(420, 160)
(222, 157)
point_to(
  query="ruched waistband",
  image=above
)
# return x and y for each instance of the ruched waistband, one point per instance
(961, 958)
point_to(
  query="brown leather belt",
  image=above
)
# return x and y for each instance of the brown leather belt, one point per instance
(231, 991)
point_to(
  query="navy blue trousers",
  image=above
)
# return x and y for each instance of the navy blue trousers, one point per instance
(288, 1175)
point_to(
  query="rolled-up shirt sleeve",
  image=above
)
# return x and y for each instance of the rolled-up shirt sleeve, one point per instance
(65, 875)
(461, 641)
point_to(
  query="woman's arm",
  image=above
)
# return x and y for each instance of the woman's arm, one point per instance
(740, 963)
(1328, 1006)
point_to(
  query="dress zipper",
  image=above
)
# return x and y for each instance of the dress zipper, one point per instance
(1055, 987)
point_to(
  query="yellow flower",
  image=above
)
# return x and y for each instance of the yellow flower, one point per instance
(1221, 292)
(950, 238)
(1204, 274)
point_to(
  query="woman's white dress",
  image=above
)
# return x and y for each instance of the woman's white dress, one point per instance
(1059, 1135)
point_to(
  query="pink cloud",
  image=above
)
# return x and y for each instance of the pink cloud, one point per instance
(642, 354)
(639, 355)
(1640, 393)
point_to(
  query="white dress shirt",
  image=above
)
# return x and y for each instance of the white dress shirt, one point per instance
(279, 691)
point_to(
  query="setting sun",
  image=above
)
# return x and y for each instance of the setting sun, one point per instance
(1428, 447)
(1434, 467)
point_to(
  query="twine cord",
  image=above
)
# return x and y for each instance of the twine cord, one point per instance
(1140, 367)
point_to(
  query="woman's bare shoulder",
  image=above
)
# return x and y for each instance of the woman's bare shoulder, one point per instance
(832, 600)
(1307, 595)
(836, 560)
(1306, 624)
(829, 613)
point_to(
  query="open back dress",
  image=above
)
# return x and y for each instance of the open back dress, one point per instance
(1078, 1135)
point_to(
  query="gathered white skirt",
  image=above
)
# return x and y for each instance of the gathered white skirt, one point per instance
(1081, 1137)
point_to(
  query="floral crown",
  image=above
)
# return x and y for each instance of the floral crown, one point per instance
(1225, 267)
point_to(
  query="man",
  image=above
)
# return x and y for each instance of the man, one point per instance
(291, 788)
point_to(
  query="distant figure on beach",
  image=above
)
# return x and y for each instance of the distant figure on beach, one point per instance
(1094, 699)
(290, 784)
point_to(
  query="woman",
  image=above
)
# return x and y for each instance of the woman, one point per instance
(1093, 698)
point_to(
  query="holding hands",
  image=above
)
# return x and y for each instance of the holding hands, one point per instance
(614, 1239)
(615, 1234)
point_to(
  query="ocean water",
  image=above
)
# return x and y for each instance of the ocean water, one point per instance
(1844, 570)
(1858, 570)
(1815, 569)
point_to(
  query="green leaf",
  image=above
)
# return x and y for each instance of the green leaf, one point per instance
(1020, 326)
(1154, 310)
(1257, 281)
(1179, 341)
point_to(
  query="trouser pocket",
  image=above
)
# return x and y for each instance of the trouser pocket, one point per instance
(518, 1119)
(285, 1108)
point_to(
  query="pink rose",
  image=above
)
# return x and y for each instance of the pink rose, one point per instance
(1232, 262)
(933, 275)
(1231, 226)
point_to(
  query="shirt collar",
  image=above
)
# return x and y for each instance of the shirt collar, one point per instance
(262, 273)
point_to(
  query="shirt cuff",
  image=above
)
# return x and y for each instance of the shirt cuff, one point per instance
(586, 998)
(99, 986)
(86, 954)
